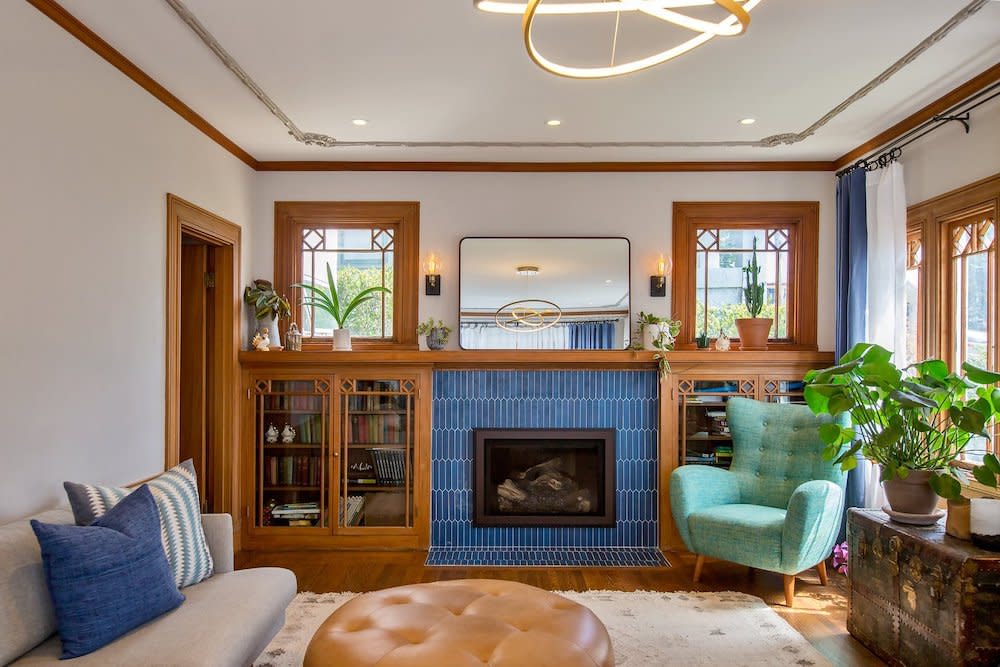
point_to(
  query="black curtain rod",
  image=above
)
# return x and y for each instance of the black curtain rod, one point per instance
(960, 113)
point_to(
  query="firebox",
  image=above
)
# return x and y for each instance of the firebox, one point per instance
(544, 477)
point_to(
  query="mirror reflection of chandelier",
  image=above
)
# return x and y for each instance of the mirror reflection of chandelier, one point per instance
(665, 10)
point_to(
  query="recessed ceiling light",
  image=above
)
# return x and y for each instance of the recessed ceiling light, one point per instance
(747, 121)
(360, 122)
(607, 282)
(553, 122)
(527, 270)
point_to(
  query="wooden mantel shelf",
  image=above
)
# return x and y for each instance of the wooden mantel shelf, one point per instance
(564, 359)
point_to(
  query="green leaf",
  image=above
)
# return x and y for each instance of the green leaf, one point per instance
(830, 433)
(984, 476)
(934, 368)
(840, 403)
(912, 400)
(334, 297)
(980, 375)
(849, 463)
(946, 486)
(880, 373)
(992, 464)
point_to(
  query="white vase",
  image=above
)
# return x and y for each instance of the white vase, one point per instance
(649, 334)
(342, 339)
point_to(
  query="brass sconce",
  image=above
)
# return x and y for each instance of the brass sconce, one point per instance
(432, 276)
(658, 282)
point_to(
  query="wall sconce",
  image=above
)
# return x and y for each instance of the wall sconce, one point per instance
(432, 276)
(658, 282)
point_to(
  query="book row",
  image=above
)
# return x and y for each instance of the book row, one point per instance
(298, 470)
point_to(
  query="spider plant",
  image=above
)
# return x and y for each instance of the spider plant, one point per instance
(327, 299)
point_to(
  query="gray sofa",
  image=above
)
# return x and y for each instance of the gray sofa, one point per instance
(227, 619)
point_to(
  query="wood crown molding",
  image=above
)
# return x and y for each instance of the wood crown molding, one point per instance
(58, 14)
(541, 167)
(95, 43)
(941, 104)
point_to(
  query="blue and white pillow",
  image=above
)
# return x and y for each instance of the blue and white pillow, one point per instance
(107, 578)
(176, 496)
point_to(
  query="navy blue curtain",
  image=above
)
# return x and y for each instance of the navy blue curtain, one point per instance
(852, 291)
(591, 335)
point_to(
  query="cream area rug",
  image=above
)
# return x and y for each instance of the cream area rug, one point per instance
(647, 629)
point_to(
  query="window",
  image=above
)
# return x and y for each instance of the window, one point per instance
(721, 255)
(952, 259)
(364, 244)
(714, 242)
(914, 305)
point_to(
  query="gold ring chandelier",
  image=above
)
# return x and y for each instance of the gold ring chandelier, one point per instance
(527, 315)
(734, 24)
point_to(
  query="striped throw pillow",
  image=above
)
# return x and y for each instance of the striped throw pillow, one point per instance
(176, 495)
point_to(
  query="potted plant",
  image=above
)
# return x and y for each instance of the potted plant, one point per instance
(436, 333)
(753, 330)
(266, 308)
(327, 300)
(657, 333)
(914, 422)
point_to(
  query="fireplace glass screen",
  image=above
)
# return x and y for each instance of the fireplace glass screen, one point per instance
(544, 478)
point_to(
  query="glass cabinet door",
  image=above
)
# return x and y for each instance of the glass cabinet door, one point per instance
(705, 438)
(292, 438)
(377, 438)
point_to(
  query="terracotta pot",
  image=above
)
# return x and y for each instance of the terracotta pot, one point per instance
(753, 332)
(958, 522)
(912, 495)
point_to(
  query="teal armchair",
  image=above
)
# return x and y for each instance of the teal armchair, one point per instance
(778, 507)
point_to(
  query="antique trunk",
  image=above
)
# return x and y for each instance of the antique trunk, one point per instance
(920, 597)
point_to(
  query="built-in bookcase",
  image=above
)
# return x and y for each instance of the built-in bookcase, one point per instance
(377, 417)
(336, 455)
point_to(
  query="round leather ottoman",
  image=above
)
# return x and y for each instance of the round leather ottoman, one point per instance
(463, 623)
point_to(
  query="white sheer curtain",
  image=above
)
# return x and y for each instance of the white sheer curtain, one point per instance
(886, 317)
(492, 337)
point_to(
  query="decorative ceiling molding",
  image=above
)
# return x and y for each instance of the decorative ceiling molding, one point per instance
(786, 138)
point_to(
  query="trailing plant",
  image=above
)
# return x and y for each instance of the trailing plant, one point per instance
(919, 418)
(667, 331)
(424, 328)
(753, 293)
(265, 301)
(327, 299)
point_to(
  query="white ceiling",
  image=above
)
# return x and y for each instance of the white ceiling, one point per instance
(580, 273)
(440, 70)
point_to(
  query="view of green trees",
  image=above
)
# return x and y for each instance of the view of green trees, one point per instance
(723, 317)
(366, 320)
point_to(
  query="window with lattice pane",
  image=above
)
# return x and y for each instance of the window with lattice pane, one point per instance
(364, 244)
(972, 289)
(720, 259)
(357, 258)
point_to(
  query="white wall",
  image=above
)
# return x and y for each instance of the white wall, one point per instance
(948, 158)
(637, 206)
(86, 160)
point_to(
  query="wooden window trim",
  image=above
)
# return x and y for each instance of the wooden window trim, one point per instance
(916, 229)
(803, 220)
(290, 217)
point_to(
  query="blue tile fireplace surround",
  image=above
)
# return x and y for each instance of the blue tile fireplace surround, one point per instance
(621, 399)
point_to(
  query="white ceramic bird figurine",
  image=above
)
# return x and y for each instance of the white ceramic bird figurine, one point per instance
(271, 434)
(288, 434)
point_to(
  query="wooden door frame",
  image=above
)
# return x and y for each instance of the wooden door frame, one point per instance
(183, 218)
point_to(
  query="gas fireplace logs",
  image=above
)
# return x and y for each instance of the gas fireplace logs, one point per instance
(543, 489)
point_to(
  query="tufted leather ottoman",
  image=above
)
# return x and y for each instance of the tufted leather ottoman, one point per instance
(464, 623)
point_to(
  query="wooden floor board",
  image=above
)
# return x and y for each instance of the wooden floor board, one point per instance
(820, 612)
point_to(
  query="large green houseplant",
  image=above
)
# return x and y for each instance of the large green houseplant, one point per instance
(327, 300)
(914, 422)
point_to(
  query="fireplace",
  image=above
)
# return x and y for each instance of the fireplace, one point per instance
(544, 477)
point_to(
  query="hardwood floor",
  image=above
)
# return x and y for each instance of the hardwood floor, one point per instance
(820, 612)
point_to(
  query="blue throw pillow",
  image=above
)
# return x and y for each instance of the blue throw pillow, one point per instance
(107, 578)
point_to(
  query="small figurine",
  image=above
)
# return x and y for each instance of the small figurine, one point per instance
(287, 434)
(271, 434)
(293, 339)
(722, 343)
(261, 341)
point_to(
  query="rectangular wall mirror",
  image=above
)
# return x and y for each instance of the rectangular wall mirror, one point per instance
(544, 293)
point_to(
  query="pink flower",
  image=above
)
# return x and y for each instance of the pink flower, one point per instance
(840, 557)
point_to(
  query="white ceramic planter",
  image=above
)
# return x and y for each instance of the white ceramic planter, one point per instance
(342, 339)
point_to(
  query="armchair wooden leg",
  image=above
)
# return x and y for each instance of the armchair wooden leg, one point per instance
(697, 568)
(821, 568)
(790, 590)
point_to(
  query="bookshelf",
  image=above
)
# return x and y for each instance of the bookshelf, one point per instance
(291, 438)
(377, 466)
